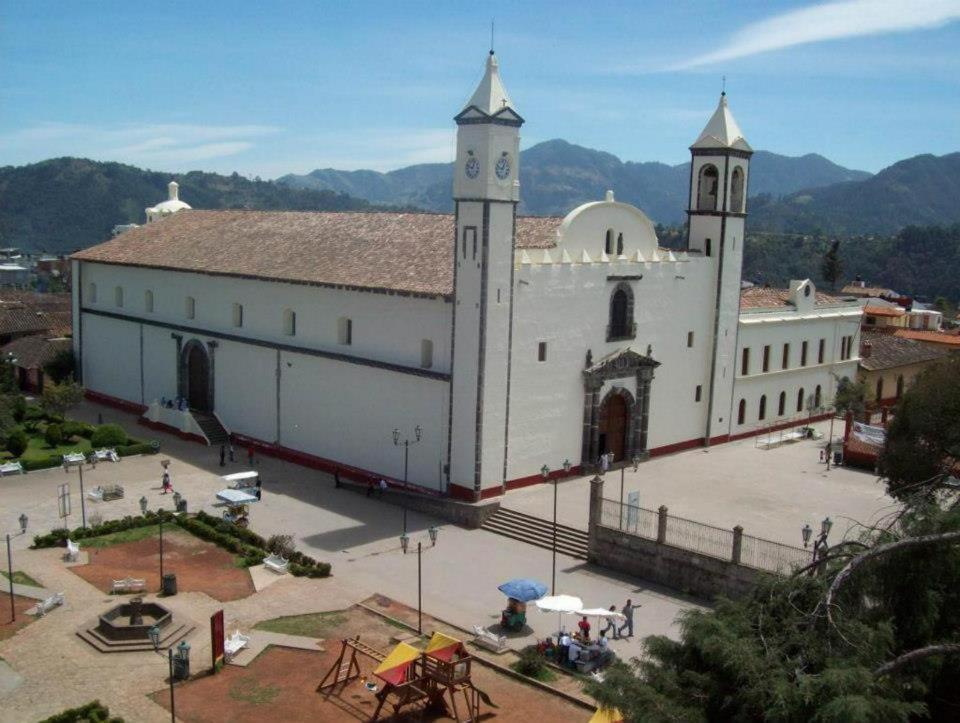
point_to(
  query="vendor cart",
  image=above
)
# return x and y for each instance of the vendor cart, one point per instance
(237, 505)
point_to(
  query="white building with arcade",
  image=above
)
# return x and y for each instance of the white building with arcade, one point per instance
(506, 342)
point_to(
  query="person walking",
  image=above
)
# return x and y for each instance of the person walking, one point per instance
(223, 455)
(250, 455)
(165, 482)
(230, 452)
(627, 611)
(611, 624)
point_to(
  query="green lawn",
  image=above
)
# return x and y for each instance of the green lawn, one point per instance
(132, 535)
(311, 625)
(37, 448)
(20, 578)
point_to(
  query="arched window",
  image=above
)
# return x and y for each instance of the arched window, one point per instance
(879, 389)
(899, 386)
(816, 397)
(742, 411)
(190, 307)
(426, 353)
(92, 293)
(619, 244)
(345, 331)
(708, 248)
(289, 322)
(763, 408)
(800, 400)
(621, 313)
(148, 301)
(118, 296)
(707, 188)
(237, 314)
(736, 190)
(782, 404)
(608, 242)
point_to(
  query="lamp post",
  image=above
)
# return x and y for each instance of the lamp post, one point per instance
(545, 471)
(820, 546)
(23, 531)
(83, 501)
(636, 466)
(418, 432)
(404, 544)
(173, 715)
(835, 384)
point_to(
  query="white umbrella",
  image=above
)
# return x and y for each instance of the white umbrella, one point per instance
(602, 613)
(559, 604)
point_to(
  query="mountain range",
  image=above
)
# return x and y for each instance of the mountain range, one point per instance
(556, 176)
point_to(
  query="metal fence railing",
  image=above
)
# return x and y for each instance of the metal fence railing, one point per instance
(717, 542)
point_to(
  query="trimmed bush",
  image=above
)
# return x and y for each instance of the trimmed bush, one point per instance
(94, 712)
(33, 413)
(19, 408)
(73, 428)
(58, 537)
(17, 442)
(141, 448)
(35, 463)
(109, 435)
(53, 435)
(281, 545)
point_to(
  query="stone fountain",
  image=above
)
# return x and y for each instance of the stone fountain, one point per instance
(126, 627)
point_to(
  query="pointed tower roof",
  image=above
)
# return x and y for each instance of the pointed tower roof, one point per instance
(722, 130)
(490, 100)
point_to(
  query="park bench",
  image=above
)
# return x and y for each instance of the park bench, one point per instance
(129, 584)
(234, 644)
(45, 606)
(276, 563)
(11, 468)
(73, 551)
(106, 455)
(72, 459)
(491, 641)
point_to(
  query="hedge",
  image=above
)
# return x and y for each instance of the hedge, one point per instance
(139, 448)
(94, 712)
(58, 537)
(35, 463)
(109, 435)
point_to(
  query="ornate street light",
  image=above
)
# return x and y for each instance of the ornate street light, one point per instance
(404, 542)
(154, 633)
(433, 535)
(23, 524)
(566, 466)
(143, 505)
(545, 471)
(825, 526)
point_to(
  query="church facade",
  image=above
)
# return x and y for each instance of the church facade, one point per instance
(496, 344)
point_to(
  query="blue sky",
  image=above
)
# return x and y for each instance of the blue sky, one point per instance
(271, 88)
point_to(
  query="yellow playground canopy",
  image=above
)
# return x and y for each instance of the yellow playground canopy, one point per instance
(394, 667)
(607, 715)
(443, 647)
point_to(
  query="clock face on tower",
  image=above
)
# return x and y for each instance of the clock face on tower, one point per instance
(503, 167)
(472, 167)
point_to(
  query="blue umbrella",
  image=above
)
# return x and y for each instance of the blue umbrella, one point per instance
(523, 589)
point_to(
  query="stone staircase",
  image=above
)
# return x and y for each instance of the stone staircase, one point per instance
(212, 429)
(170, 635)
(538, 532)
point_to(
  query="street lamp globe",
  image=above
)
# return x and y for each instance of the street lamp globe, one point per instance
(545, 471)
(825, 526)
(404, 542)
(566, 466)
(418, 431)
(433, 535)
(23, 524)
(807, 531)
(396, 436)
(636, 462)
(183, 650)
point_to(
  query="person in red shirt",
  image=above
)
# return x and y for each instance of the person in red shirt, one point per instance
(584, 626)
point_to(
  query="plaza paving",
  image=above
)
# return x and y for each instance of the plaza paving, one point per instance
(768, 492)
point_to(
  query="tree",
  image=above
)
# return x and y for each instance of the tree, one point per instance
(871, 637)
(58, 398)
(61, 367)
(832, 267)
(850, 396)
(923, 440)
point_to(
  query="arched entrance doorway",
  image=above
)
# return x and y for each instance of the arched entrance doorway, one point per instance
(613, 427)
(198, 377)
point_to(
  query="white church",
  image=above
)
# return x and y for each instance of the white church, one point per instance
(497, 344)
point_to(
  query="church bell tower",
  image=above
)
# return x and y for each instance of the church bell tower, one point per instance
(717, 214)
(486, 191)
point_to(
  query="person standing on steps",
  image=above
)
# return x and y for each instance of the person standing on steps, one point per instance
(230, 452)
(628, 622)
(223, 455)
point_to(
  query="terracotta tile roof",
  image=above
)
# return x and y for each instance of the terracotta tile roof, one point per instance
(857, 290)
(883, 311)
(16, 319)
(33, 352)
(936, 337)
(891, 350)
(60, 301)
(762, 297)
(407, 252)
(61, 323)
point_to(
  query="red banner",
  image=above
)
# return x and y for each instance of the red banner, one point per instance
(216, 637)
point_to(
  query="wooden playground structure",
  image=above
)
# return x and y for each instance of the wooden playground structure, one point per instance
(411, 676)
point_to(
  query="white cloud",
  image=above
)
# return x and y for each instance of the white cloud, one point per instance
(831, 21)
(167, 146)
(377, 149)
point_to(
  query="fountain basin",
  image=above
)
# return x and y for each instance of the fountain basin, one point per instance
(115, 623)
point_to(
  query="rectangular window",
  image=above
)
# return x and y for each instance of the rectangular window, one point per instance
(92, 293)
(289, 322)
(238, 315)
(786, 357)
(345, 331)
(820, 351)
(469, 239)
(850, 347)
(745, 362)
(698, 393)
(689, 339)
(542, 351)
(148, 301)
(426, 353)
(766, 358)
(118, 297)
(843, 348)
(190, 307)
(803, 354)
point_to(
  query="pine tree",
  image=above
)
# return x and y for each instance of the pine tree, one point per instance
(832, 267)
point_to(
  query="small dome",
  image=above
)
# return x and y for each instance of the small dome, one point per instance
(171, 205)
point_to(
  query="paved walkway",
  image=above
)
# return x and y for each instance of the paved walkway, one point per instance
(261, 639)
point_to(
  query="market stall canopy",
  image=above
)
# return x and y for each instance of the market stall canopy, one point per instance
(236, 497)
(242, 479)
(560, 604)
(601, 613)
(523, 589)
